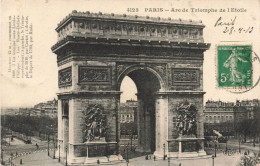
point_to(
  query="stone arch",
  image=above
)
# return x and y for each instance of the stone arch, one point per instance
(142, 67)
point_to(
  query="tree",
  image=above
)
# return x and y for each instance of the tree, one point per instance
(244, 128)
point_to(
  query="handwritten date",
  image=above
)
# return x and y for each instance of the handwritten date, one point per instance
(230, 26)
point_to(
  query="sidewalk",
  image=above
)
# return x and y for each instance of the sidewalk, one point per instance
(42, 159)
(37, 159)
(221, 160)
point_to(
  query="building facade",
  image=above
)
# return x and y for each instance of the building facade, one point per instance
(128, 112)
(49, 108)
(219, 112)
(224, 116)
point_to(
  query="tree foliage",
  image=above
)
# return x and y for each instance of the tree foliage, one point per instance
(248, 127)
(28, 124)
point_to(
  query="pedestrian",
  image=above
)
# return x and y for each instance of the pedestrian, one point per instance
(154, 158)
(150, 157)
(37, 146)
(21, 161)
(180, 164)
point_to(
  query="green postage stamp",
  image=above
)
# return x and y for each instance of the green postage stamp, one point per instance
(234, 66)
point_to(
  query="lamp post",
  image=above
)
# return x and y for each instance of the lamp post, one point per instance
(2, 156)
(59, 154)
(163, 151)
(226, 145)
(131, 140)
(66, 162)
(127, 161)
(239, 150)
(48, 146)
(259, 151)
(213, 160)
(53, 148)
(215, 149)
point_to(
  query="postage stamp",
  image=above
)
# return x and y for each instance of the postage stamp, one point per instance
(234, 66)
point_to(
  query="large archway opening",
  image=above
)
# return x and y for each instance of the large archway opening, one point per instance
(147, 84)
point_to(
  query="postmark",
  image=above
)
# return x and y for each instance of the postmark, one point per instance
(235, 67)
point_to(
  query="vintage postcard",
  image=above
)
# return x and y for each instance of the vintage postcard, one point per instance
(114, 82)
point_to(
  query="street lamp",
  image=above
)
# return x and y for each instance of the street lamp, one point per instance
(131, 140)
(66, 163)
(48, 146)
(53, 149)
(2, 157)
(239, 150)
(215, 148)
(226, 145)
(163, 151)
(127, 161)
(59, 153)
(213, 160)
(259, 151)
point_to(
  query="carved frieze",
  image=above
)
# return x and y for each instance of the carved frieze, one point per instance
(170, 29)
(121, 67)
(94, 74)
(185, 76)
(65, 77)
(160, 68)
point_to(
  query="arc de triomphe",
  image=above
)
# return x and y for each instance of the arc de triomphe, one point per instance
(164, 57)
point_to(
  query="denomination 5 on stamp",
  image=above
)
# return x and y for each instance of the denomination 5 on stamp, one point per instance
(234, 66)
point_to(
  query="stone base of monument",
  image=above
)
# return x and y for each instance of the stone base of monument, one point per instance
(96, 154)
(188, 147)
(202, 153)
(113, 159)
(96, 160)
(199, 154)
(76, 160)
(188, 154)
(158, 154)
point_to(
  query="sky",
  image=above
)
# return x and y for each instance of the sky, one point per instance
(46, 14)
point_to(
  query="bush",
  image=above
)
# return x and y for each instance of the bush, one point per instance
(249, 160)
